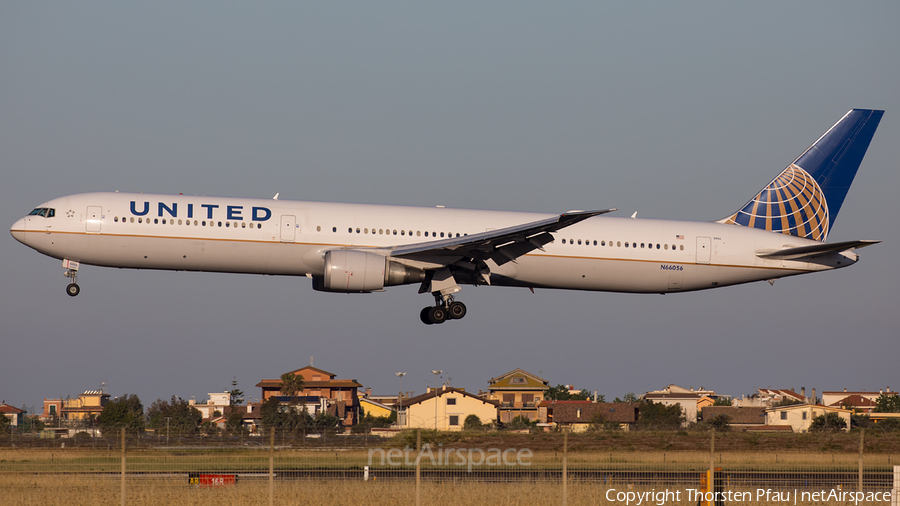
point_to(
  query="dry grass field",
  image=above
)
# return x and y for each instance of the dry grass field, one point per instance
(69, 491)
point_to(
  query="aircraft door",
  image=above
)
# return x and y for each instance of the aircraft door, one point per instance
(703, 250)
(288, 227)
(93, 220)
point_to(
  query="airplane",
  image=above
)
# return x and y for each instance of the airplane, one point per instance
(358, 248)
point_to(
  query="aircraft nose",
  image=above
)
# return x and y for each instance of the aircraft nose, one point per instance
(18, 230)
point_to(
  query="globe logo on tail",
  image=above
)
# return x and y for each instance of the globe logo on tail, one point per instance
(793, 203)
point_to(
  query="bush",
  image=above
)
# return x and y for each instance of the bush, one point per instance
(472, 422)
(829, 422)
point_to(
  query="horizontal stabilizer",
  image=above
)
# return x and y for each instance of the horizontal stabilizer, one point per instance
(815, 250)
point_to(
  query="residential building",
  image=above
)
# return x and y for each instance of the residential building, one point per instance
(741, 417)
(321, 390)
(374, 408)
(15, 415)
(251, 418)
(215, 402)
(85, 408)
(800, 416)
(446, 409)
(577, 416)
(684, 397)
(52, 411)
(854, 402)
(518, 393)
(857, 400)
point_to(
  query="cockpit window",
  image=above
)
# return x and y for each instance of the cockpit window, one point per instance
(46, 212)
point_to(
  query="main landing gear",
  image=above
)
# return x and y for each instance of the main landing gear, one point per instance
(445, 309)
(72, 273)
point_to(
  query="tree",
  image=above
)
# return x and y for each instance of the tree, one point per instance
(786, 401)
(887, 404)
(829, 422)
(722, 401)
(235, 395)
(656, 415)
(5, 425)
(291, 384)
(521, 422)
(177, 415)
(720, 422)
(562, 393)
(629, 397)
(472, 422)
(234, 424)
(599, 423)
(126, 411)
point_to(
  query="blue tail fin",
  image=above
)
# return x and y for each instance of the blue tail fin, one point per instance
(805, 198)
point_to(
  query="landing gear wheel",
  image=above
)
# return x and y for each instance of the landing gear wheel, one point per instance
(423, 315)
(457, 310)
(73, 289)
(437, 314)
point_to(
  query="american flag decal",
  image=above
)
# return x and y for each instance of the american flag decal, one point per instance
(679, 236)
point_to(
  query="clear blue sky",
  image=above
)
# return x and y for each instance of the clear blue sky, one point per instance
(675, 110)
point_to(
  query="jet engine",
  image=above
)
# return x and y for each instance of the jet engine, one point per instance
(353, 271)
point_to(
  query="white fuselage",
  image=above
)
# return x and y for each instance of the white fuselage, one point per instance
(261, 236)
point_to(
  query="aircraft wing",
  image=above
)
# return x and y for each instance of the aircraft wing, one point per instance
(814, 250)
(501, 245)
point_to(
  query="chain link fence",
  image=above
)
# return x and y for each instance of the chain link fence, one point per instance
(147, 467)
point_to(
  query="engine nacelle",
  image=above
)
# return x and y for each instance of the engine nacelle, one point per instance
(353, 271)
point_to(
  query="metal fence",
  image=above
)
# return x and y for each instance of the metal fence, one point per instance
(145, 466)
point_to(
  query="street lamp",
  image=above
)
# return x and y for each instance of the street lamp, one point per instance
(400, 411)
(435, 396)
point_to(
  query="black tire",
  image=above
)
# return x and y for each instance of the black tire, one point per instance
(423, 315)
(457, 310)
(437, 314)
(73, 289)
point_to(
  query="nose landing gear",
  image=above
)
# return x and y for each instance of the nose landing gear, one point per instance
(72, 273)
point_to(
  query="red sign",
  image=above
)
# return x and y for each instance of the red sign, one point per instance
(212, 480)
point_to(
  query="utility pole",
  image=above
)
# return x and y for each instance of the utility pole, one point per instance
(400, 411)
(435, 396)
(167, 429)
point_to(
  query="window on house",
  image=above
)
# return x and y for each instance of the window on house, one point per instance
(784, 415)
(527, 397)
(578, 414)
(509, 398)
(518, 380)
(804, 415)
(451, 401)
(454, 420)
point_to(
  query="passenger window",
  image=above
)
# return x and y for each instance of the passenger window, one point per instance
(426, 233)
(410, 233)
(164, 221)
(681, 247)
(116, 219)
(380, 231)
(220, 224)
(442, 234)
(259, 225)
(657, 246)
(579, 242)
(349, 230)
(395, 232)
(602, 243)
(132, 220)
(179, 222)
(357, 230)
(619, 244)
(227, 224)
(195, 223)
(318, 228)
(244, 225)
(366, 230)
(419, 233)
(334, 229)
(563, 241)
(156, 221)
(665, 246)
(626, 244)
(642, 245)
(403, 232)
(595, 243)
(634, 245)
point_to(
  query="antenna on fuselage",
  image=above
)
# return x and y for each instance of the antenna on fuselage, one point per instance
(634, 215)
(276, 196)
